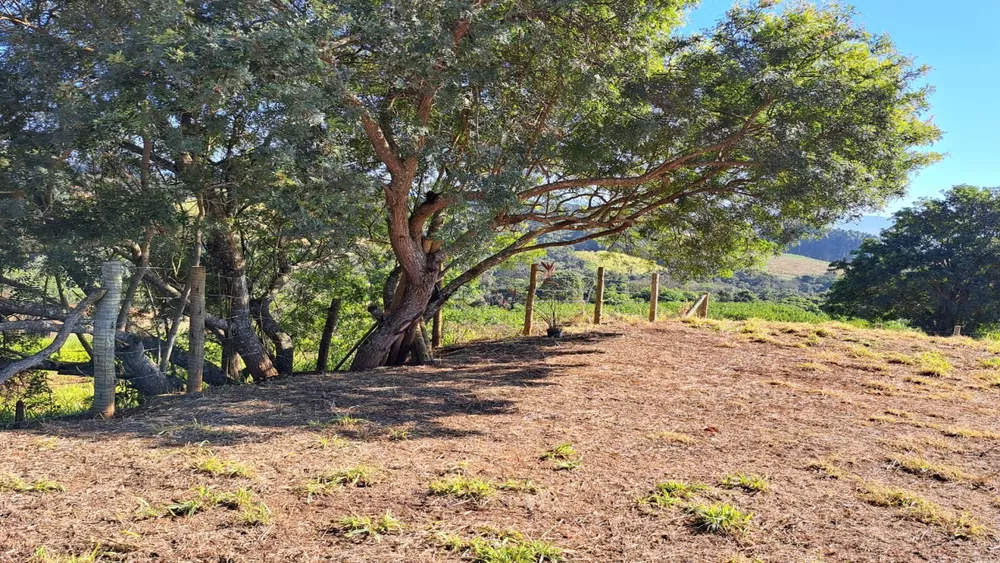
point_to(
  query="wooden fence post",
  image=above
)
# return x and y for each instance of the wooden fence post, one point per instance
(654, 296)
(20, 417)
(958, 330)
(105, 318)
(436, 328)
(529, 303)
(703, 309)
(599, 296)
(196, 329)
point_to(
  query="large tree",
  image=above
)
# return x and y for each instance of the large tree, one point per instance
(161, 130)
(498, 124)
(935, 267)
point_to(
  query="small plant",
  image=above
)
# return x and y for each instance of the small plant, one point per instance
(863, 352)
(348, 421)
(255, 514)
(326, 442)
(362, 527)
(357, 476)
(145, 511)
(933, 363)
(184, 509)
(463, 487)
(42, 555)
(47, 443)
(748, 482)
(518, 485)
(568, 464)
(399, 434)
(216, 467)
(719, 518)
(15, 484)
(672, 493)
(564, 451)
(505, 547)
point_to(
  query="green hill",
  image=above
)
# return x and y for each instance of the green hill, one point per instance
(793, 265)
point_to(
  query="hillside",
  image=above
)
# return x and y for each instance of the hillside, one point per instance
(793, 265)
(868, 446)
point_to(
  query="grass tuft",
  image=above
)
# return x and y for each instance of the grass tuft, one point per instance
(461, 486)
(748, 482)
(357, 476)
(212, 465)
(505, 547)
(15, 484)
(364, 527)
(933, 363)
(672, 493)
(719, 518)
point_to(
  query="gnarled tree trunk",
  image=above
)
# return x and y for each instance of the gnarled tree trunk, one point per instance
(396, 323)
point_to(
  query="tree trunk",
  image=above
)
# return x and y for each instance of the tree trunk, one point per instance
(284, 348)
(143, 374)
(225, 250)
(332, 318)
(395, 324)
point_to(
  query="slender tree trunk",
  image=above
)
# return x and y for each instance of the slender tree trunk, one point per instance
(225, 249)
(332, 318)
(284, 349)
(143, 374)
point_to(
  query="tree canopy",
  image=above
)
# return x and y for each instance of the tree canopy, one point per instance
(936, 266)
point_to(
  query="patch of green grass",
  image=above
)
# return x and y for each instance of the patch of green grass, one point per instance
(506, 547)
(399, 434)
(326, 442)
(216, 467)
(913, 506)
(746, 481)
(42, 555)
(991, 363)
(562, 451)
(364, 527)
(900, 359)
(15, 484)
(518, 485)
(565, 456)
(920, 466)
(185, 508)
(719, 518)
(357, 476)
(145, 511)
(672, 493)
(863, 353)
(341, 420)
(460, 486)
(933, 363)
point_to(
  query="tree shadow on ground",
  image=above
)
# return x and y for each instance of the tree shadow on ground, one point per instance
(422, 397)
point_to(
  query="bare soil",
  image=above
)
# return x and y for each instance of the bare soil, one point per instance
(818, 416)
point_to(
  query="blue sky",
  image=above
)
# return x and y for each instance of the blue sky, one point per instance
(960, 41)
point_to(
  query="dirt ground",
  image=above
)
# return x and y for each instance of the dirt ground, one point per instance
(827, 415)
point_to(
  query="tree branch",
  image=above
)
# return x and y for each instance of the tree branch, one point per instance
(14, 368)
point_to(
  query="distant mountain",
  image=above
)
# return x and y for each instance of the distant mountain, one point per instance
(871, 224)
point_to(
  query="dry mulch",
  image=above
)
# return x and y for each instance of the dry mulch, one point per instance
(490, 409)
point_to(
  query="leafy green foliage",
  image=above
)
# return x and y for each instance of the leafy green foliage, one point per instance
(936, 266)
